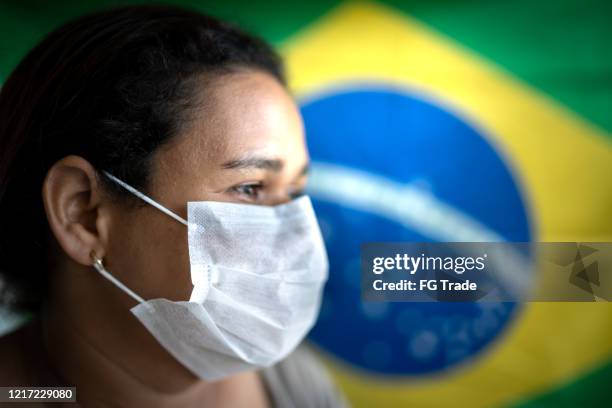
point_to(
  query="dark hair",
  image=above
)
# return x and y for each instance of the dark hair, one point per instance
(111, 87)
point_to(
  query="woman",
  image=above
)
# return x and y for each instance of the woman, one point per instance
(151, 168)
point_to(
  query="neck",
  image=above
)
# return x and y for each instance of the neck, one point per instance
(103, 350)
(89, 339)
(74, 358)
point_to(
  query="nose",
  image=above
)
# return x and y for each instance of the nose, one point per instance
(279, 197)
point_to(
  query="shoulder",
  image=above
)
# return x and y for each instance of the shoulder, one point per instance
(12, 370)
(301, 380)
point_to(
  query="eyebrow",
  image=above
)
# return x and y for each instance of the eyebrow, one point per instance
(275, 165)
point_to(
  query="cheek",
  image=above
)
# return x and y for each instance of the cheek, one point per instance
(149, 253)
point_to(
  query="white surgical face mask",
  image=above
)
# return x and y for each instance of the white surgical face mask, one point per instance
(257, 274)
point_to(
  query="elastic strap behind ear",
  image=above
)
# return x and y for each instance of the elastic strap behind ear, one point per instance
(146, 199)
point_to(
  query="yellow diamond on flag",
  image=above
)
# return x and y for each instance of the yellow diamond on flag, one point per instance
(561, 163)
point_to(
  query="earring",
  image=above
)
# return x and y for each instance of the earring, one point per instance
(97, 262)
(99, 266)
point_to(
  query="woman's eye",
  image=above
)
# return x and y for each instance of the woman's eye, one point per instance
(296, 193)
(250, 191)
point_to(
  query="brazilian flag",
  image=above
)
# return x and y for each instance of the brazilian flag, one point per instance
(440, 121)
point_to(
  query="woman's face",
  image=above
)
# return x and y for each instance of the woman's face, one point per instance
(245, 144)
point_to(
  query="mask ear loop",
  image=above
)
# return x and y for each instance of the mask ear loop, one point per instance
(146, 198)
(97, 263)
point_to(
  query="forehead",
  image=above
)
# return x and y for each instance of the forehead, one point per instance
(242, 113)
(236, 116)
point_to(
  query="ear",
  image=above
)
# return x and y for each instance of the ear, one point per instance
(73, 200)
